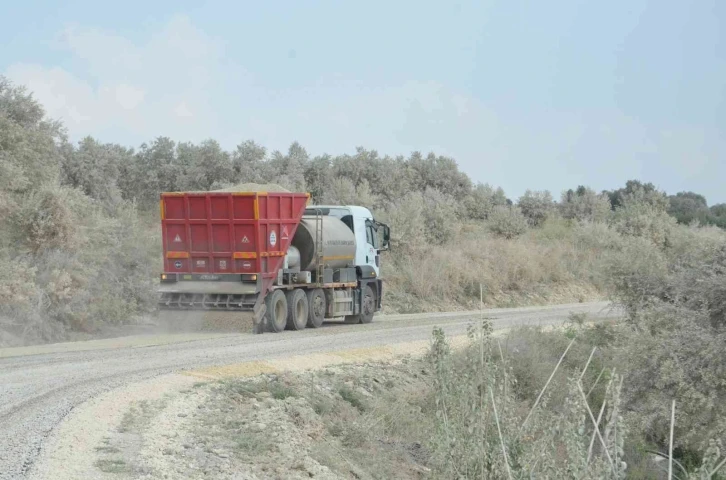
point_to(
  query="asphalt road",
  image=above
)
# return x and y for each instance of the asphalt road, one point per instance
(39, 386)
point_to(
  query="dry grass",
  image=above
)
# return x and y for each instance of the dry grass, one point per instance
(552, 265)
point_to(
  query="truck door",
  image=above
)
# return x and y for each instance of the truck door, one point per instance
(371, 249)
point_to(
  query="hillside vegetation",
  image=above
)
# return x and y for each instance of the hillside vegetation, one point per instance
(80, 237)
(80, 250)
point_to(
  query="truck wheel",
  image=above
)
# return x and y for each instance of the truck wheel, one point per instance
(297, 309)
(276, 313)
(368, 308)
(316, 307)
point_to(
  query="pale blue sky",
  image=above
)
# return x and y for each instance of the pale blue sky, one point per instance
(540, 95)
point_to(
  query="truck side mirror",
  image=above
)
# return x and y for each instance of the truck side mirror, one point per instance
(386, 238)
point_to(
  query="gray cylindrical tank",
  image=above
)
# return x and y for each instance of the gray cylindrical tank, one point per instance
(338, 243)
(293, 257)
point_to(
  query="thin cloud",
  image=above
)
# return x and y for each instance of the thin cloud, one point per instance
(182, 82)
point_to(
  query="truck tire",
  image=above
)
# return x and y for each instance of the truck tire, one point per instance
(316, 307)
(276, 313)
(368, 308)
(297, 309)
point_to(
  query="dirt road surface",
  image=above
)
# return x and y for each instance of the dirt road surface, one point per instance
(41, 386)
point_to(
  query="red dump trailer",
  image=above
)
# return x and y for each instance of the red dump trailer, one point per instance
(268, 257)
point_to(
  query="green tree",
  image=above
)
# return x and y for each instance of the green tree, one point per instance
(537, 206)
(718, 210)
(95, 169)
(688, 206)
(583, 204)
(32, 150)
(636, 190)
(289, 170)
(30, 145)
(201, 166)
(318, 176)
(154, 170)
(342, 192)
(441, 173)
(248, 163)
(482, 199)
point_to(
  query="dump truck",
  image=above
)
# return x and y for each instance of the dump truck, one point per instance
(269, 261)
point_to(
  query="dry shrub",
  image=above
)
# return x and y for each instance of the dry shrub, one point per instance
(554, 229)
(81, 268)
(21, 299)
(440, 216)
(679, 356)
(537, 206)
(584, 205)
(532, 354)
(676, 303)
(525, 270)
(691, 245)
(50, 217)
(507, 221)
(484, 430)
(406, 219)
(640, 219)
(419, 220)
(598, 236)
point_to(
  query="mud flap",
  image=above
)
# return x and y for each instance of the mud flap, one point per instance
(259, 310)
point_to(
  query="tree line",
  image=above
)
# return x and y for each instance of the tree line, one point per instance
(111, 173)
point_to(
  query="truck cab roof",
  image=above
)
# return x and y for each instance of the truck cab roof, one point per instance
(340, 210)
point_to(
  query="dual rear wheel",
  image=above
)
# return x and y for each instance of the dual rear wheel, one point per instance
(295, 309)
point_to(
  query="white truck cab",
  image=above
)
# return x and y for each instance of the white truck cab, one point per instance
(371, 237)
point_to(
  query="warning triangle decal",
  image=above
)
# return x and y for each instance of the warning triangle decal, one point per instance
(245, 239)
(177, 239)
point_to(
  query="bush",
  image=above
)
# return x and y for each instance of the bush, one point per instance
(676, 301)
(49, 219)
(536, 206)
(599, 236)
(640, 219)
(440, 214)
(507, 222)
(483, 431)
(676, 356)
(482, 200)
(406, 219)
(636, 191)
(584, 204)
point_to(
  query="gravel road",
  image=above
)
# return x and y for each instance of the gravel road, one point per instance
(39, 386)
